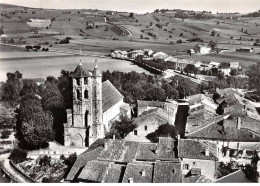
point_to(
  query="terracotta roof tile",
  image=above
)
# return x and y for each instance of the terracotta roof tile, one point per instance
(167, 149)
(146, 152)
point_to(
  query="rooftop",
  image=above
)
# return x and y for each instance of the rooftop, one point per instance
(235, 177)
(195, 149)
(110, 95)
(139, 172)
(80, 72)
(165, 172)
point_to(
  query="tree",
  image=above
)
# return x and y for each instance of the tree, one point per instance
(12, 87)
(33, 126)
(165, 130)
(151, 23)
(53, 102)
(123, 126)
(213, 44)
(179, 41)
(213, 33)
(190, 68)
(224, 65)
(5, 134)
(29, 87)
(131, 15)
(254, 77)
(17, 155)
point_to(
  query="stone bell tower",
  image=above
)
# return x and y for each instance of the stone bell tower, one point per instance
(85, 119)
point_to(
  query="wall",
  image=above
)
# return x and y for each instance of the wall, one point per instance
(152, 124)
(112, 113)
(208, 167)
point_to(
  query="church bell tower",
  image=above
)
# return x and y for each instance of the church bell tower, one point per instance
(85, 120)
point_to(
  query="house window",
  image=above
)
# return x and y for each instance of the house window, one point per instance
(194, 163)
(135, 132)
(185, 166)
(145, 127)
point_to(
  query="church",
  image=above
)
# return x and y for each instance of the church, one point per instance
(95, 106)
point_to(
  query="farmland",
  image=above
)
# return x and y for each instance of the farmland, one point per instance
(97, 32)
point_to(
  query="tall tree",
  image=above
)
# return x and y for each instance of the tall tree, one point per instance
(254, 77)
(33, 126)
(52, 101)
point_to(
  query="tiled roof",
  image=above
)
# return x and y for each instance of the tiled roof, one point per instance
(146, 152)
(91, 154)
(110, 95)
(195, 149)
(167, 172)
(134, 170)
(94, 171)
(158, 113)
(141, 103)
(235, 177)
(119, 151)
(228, 131)
(196, 179)
(196, 123)
(167, 149)
(80, 71)
(114, 173)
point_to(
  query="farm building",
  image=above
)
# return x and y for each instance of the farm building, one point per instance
(133, 54)
(245, 49)
(160, 56)
(177, 64)
(234, 65)
(202, 49)
(119, 54)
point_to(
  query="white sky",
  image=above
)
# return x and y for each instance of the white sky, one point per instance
(143, 6)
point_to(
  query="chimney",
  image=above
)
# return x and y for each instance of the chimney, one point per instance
(238, 146)
(143, 172)
(130, 180)
(239, 122)
(207, 152)
(114, 136)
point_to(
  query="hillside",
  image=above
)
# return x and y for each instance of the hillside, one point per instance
(102, 31)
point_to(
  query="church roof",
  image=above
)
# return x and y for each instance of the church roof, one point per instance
(80, 71)
(110, 95)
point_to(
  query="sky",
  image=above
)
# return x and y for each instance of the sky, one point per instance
(143, 6)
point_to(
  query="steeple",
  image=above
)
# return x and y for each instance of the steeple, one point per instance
(96, 71)
(80, 71)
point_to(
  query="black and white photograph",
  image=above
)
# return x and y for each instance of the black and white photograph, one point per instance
(129, 91)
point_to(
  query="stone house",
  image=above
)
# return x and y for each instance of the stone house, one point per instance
(116, 161)
(198, 156)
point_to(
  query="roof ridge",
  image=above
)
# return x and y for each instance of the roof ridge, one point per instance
(113, 87)
(229, 175)
(206, 125)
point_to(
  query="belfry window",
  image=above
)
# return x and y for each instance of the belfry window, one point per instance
(78, 81)
(78, 95)
(85, 81)
(86, 94)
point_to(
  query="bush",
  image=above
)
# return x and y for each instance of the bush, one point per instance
(18, 155)
(179, 41)
(5, 134)
(64, 41)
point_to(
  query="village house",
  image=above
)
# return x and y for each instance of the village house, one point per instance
(95, 104)
(234, 177)
(202, 49)
(245, 49)
(198, 157)
(133, 54)
(235, 65)
(116, 161)
(119, 54)
(160, 56)
(178, 64)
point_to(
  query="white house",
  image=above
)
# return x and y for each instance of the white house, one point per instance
(202, 49)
